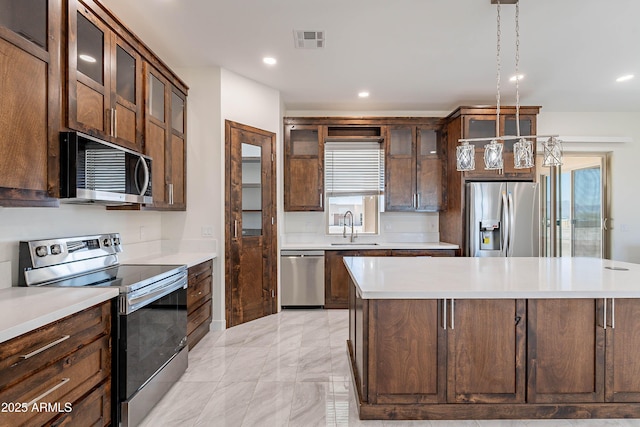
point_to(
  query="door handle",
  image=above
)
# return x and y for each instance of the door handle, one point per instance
(444, 314)
(171, 194)
(453, 325)
(511, 221)
(604, 315)
(505, 224)
(613, 313)
(235, 229)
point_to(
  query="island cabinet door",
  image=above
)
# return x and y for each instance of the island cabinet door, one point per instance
(566, 351)
(486, 351)
(407, 352)
(622, 383)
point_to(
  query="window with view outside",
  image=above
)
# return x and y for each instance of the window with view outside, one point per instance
(354, 181)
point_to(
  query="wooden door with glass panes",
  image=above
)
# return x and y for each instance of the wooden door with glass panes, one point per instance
(251, 238)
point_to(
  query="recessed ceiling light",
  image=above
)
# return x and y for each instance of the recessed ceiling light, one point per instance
(87, 58)
(363, 94)
(269, 60)
(518, 77)
(624, 78)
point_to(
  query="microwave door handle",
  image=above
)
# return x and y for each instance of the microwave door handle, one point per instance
(146, 176)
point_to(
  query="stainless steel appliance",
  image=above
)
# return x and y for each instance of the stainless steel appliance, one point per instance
(150, 326)
(302, 278)
(502, 219)
(92, 170)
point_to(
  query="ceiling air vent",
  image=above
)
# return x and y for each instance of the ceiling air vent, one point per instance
(309, 39)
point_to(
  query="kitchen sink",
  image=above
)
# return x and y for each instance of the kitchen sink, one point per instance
(353, 244)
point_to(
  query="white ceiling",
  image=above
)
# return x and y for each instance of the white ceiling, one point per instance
(431, 55)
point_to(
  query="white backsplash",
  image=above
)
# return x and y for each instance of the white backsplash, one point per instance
(395, 227)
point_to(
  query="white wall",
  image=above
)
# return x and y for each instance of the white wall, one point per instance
(140, 231)
(625, 195)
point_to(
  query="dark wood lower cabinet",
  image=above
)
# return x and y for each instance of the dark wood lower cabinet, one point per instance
(65, 379)
(336, 276)
(486, 351)
(566, 351)
(474, 359)
(199, 302)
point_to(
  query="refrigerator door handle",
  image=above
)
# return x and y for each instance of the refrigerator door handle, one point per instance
(511, 225)
(504, 234)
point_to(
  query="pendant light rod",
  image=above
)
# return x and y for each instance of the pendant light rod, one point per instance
(498, 33)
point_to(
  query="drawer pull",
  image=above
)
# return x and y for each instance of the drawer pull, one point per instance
(46, 347)
(48, 392)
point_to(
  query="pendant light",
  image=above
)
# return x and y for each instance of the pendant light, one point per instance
(523, 149)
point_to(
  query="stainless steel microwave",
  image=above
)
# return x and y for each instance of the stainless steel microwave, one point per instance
(92, 170)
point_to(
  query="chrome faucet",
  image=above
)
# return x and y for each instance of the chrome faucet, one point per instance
(344, 226)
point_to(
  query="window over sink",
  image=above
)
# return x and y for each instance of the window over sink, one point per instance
(354, 182)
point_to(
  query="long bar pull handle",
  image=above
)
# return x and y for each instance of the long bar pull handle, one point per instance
(321, 200)
(46, 347)
(235, 229)
(505, 224)
(453, 313)
(417, 200)
(512, 220)
(170, 194)
(444, 314)
(48, 392)
(115, 123)
(613, 313)
(604, 316)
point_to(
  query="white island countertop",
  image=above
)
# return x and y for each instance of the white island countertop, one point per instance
(23, 309)
(452, 277)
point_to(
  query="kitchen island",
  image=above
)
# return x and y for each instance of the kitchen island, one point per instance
(494, 338)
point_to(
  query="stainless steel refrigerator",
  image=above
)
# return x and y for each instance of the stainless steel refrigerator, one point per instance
(503, 219)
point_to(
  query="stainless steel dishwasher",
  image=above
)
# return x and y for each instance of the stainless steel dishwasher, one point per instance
(302, 278)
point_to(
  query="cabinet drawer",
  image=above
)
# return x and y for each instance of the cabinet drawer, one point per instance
(24, 355)
(199, 316)
(198, 292)
(61, 383)
(93, 409)
(200, 270)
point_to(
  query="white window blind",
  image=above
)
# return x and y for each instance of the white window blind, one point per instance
(353, 168)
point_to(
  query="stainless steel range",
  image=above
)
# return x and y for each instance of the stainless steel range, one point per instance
(150, 327)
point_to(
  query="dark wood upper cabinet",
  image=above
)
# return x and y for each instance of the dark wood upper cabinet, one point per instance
(413, 169)
(30, 103)
(104, 80)
(480, 122)
(165, 140)
(303, 168)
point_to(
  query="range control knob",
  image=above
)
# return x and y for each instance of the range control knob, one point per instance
(116, 241)
(41, 251)
(106, 242)
(56, 249)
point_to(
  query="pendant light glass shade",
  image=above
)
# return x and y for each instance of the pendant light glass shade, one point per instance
(493, 155)
(552, 152)
(523, 154)
(465, 157)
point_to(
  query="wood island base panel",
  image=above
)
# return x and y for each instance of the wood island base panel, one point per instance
(535, 351)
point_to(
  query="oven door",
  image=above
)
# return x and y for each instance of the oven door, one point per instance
(149, 337)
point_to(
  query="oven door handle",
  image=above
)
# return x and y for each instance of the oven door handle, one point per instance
(136, 301)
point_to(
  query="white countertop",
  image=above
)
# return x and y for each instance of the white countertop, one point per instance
(451, 277)
(23, 309)
(326, 246)
(189, 259)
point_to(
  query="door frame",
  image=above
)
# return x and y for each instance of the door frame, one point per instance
(605, 157)
(229, 223)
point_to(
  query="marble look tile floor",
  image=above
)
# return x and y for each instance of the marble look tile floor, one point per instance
(288, 369)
